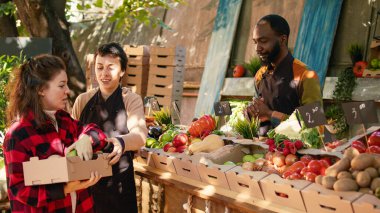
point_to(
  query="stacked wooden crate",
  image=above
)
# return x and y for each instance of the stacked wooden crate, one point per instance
(166, 73)
(136, 76)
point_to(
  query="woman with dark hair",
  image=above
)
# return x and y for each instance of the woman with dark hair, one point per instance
(120, 114)
(39, 126)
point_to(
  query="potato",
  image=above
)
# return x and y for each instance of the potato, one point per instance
(376, 162)
(375, 183)
(362, 161)
(341, 165)
(350, 153)
(354, 173)
(372, 172)
(328, 182)
(344, 174)
(345, 184)
(363, 179)
(318, 179)
(366, 190)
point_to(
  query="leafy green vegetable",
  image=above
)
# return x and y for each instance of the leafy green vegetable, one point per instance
(310, 138)
(217, 132)
(163, 117)
(247, 129)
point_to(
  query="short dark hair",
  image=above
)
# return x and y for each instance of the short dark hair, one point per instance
(115, 50)
(277, 23)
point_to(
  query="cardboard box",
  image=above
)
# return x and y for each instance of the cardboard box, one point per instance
(167, 60)
(63, 169)
(145, 156)
(137, 88)
(178, 50)
(284, 192)
(318, 199)
(366, 203)
(214, 174)
(186, 167)
(164, 161)
(246, 182)
(137, 69)
(136, 50)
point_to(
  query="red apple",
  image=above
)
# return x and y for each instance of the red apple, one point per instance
(181, 149)
(359, 146)
(180, 140)
(167, 146)
(238, 71)
(373, 149)
(374, 139)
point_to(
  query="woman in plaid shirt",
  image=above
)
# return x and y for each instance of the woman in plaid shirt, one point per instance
(39, 126)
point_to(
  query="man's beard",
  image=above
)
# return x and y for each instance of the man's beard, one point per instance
(272, 55)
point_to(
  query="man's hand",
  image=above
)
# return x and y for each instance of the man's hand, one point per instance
(83, 147)
(117, 150)
(257, 109)
(260, 108)
(73, 186)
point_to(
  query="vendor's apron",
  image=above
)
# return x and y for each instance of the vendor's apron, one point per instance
(117, 193)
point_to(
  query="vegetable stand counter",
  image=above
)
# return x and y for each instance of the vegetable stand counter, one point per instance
(181, 192)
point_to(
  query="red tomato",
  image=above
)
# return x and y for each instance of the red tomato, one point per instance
(286, 174)
(373, 149)
(323, 171)
(238, 71)
(325, 162)
(374, 139)
(295, 176)
(306, 159)
(304, 171)
(297, 167)
(310, 176)
(315, 166)
(359, 146)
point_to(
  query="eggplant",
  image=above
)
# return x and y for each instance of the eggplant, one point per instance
(155, 132)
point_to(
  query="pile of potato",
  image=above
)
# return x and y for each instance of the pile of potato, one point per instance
(354, 172)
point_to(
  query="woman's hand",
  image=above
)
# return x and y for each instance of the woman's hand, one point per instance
(73, 186)
(117, 151)
(83, 147)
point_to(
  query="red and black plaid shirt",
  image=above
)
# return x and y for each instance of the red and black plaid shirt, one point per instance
(23, 141)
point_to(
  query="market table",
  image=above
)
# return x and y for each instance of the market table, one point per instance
(229, 200)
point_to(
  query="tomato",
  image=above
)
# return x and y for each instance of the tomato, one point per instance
(306, 159)
(286, 174)
(359, 146)
(373, 149)
(238, 71)
(304, 171)
(374, 139)
(297, 166)
(315, 166)
(310, 176)
(325, 162)
(359, 68)
(295, 176)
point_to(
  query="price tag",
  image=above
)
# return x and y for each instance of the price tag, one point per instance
(222, 108)
(154, 104)
(360, 112)
(313, 115)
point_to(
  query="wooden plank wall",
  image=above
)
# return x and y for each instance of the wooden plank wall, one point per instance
(218, 55)
(316, 34)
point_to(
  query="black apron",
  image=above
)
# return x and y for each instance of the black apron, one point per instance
(279, 90)
(117, 193)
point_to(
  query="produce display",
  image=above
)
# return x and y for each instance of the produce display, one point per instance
(291, 150)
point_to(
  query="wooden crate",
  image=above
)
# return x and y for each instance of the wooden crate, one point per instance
(138, 60)
(168, 60)
(180, 51)
(137, 69)
(136, 50)
(166, 70)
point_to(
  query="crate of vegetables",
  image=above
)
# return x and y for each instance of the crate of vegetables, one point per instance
(319, 199)
(367, 203)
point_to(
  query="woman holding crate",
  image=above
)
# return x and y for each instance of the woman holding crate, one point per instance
(39, 126)
(120, 114)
